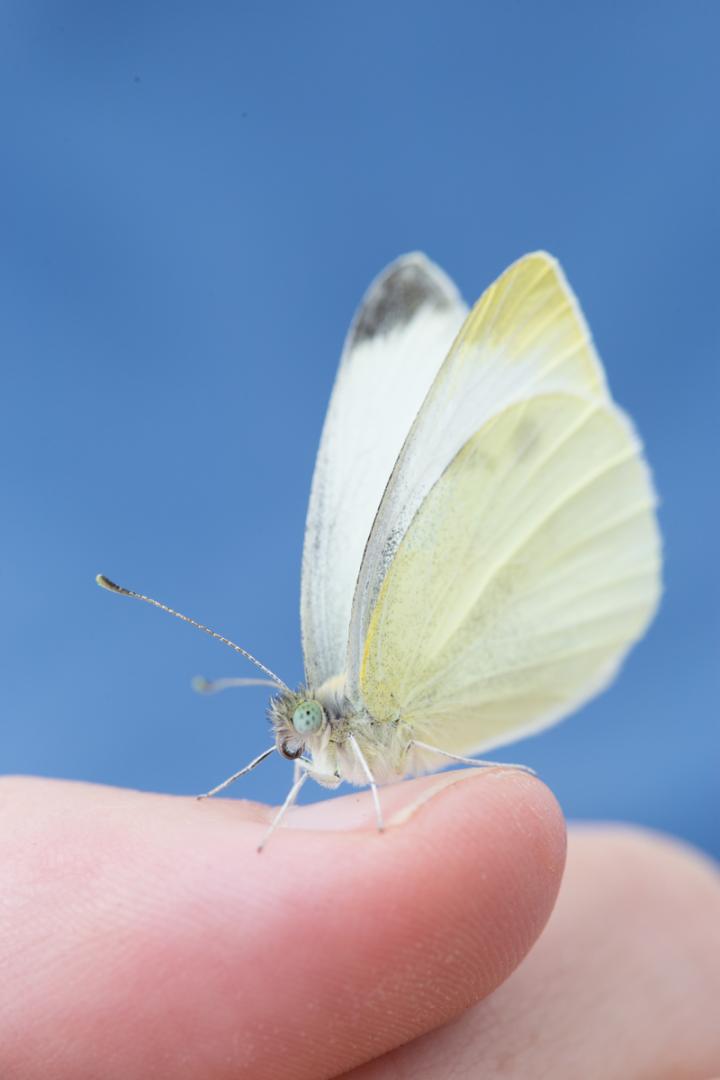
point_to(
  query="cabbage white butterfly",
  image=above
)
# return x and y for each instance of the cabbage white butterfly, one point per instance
(481, 547)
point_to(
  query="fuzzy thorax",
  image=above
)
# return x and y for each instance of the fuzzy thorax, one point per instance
(330, 747)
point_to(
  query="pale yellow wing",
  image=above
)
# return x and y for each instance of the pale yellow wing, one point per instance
(528, 571)
(525, 336)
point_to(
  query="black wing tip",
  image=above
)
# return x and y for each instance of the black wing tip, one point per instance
(408, 284)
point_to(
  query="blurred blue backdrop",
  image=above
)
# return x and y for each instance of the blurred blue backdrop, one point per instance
(193, 198)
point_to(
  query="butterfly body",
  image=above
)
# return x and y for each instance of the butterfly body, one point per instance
(385, 745)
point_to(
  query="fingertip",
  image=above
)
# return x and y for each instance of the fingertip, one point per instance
(496, 839)
(435, 913)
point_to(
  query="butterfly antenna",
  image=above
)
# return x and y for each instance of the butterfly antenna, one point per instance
(106, 583)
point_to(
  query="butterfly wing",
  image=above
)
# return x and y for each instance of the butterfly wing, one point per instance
(530, 568)
(396, 344)
(515, 554)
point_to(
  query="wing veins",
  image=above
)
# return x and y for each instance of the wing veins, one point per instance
(514, 669)
(431, 613)
(568, 497)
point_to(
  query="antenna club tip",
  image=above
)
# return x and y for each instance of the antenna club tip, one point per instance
(200, 684)
(106, 583)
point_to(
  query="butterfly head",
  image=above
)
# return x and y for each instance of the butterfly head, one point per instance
(297, 720)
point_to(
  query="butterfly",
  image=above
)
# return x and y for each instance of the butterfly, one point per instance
(481, 546)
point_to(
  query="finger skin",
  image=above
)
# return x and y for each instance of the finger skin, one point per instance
(623, 984)
(143, 935)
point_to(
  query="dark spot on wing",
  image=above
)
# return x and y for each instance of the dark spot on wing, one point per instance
(526, 439)
(397, 295)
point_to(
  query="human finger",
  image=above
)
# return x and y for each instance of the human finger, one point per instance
(143, 935)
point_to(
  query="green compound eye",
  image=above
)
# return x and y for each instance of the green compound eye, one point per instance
(308, 717)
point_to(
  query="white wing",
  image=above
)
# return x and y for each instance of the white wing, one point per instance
(525, 336)
(398, 340)
(529, 570)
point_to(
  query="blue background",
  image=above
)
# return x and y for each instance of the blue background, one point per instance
(193, 198)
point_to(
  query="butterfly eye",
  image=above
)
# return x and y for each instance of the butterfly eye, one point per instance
(308, 717)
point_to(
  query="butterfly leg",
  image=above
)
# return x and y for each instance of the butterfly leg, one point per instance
(236, 776)
(291, 797)
(302, 770)
(371, 781)
(468, 760)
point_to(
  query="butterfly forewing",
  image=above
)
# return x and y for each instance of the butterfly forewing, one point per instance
(397, 342)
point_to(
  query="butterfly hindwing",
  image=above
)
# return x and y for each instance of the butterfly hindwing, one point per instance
(526, 574)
